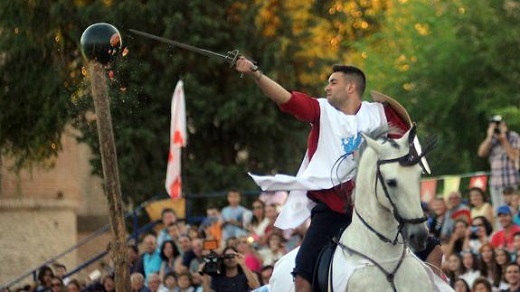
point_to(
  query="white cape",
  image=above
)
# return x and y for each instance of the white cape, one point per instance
(339, 135)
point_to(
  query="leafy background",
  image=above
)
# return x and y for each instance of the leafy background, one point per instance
(451, 63)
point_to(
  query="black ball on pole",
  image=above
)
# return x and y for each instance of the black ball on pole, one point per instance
(101, 42)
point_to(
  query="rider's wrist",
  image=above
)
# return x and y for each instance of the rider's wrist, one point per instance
(257, 75)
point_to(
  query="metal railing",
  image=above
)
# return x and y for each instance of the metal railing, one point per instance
(135, 235)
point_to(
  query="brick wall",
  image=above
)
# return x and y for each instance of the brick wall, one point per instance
(41, 208)
(32, 231)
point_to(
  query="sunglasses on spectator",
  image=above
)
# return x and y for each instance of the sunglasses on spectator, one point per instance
(229, 256)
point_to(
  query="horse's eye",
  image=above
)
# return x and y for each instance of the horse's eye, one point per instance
(391, 183)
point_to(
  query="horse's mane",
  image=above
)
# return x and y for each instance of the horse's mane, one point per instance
(379, 133)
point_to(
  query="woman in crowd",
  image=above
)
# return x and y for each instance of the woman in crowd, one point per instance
(478, 234)
(453, 268)
(503, 259)
(170, 256)
(480, 206)
(461, 285)
(259, 223)
(489, 267)
(251, 258)
(470, 267)
(45, 276)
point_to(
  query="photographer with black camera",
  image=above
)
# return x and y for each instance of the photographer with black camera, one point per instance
(231, 273)
(502, 148)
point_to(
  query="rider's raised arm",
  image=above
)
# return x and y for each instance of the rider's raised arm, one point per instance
(270, 87)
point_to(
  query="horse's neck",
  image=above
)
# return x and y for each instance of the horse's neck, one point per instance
(360, 238)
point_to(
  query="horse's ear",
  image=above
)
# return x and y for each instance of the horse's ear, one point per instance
(412, 133)
(415, 148)
(371, 143)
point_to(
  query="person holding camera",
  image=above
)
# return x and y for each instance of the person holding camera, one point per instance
(477, 235)
(502, 148)
(232, 274)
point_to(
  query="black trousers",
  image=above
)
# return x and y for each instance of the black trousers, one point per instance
(325, 224)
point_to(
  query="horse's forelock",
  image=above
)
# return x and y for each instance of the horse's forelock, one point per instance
(376, 134)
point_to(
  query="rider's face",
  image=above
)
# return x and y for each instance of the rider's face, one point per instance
(337, 89)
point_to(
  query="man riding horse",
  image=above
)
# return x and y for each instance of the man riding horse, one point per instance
(323, 186)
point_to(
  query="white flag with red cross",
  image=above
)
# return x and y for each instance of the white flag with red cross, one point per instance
(177, 141)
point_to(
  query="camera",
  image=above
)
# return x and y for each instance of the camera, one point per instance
(212, 260)
(497, 119)
(211, 264)
(474, 232)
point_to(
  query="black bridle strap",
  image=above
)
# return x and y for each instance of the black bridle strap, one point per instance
(403, 160)
(395, 212)
(390, 276)
(381, 236)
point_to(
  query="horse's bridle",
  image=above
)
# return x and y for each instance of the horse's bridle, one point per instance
(410, 159)
(403, 160)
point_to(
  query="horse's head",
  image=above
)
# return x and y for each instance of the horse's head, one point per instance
(393, 169)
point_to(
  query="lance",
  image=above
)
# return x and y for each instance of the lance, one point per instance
(230, 57)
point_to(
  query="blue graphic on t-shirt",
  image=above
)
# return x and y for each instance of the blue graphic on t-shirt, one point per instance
(351, 144)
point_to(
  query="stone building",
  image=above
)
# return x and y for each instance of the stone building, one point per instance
(46, 211)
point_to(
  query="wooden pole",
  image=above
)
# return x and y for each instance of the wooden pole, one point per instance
(111, 175)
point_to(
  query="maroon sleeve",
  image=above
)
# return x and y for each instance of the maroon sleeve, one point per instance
(306, 109)
(394, 120)
(303, 107)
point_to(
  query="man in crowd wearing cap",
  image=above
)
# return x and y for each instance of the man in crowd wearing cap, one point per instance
(504, 237)
(502, 148)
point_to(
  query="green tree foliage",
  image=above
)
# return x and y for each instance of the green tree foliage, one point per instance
(232, 128)
(35, 86)
(451, 63)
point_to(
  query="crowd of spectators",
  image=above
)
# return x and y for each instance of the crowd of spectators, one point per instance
(237, 246)
(481, 235)
(480, 241)
(173, 256)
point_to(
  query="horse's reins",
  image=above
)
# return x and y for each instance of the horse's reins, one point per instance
(389, 275)
(407, 160)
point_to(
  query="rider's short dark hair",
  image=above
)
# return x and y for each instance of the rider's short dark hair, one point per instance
(354, 72)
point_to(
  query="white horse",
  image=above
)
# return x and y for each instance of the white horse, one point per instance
(372, 253)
